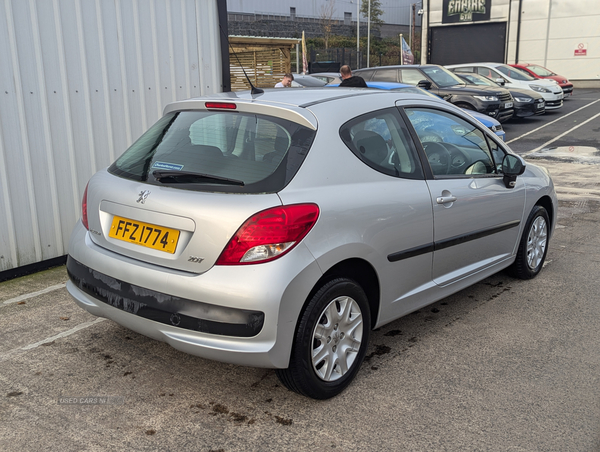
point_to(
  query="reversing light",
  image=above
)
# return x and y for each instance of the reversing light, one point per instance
(84, 218)
(269, 234)
(220, 105)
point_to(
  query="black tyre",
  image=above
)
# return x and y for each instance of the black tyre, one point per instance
(330, 342)
(533, 246)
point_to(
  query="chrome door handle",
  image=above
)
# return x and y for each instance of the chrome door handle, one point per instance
(445, 199)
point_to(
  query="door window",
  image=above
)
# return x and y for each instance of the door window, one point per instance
(412, 76)
(489, 73)
(454, 147)
(386, 75)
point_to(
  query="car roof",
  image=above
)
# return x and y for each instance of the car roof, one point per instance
(387, 85)
(299, 105)
(286, 99)
(398, 66)
(325, 74)
(476, 64)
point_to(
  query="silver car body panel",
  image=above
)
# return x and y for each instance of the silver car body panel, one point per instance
(205, 226)
(364, 215)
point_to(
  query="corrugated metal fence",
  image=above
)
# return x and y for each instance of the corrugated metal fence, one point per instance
(80, 80)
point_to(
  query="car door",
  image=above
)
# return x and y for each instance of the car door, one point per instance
(476, 217)
(384, 75)
(412, 76)
(399, 216)
(494, 75)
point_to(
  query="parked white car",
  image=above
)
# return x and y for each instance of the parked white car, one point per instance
(515, 78)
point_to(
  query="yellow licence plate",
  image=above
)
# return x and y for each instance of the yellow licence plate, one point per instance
(144, 234)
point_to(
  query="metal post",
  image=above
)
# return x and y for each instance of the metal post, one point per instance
(369, 34)
(518, 31)
(412, 29)
(297, 58)
(357, 33)
(411, 26)
(401, 50)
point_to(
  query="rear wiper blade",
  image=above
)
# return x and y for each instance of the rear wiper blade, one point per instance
(190, 177)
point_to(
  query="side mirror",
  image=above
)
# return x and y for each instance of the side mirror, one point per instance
(512, 166)
(500, 81)
(425, 84)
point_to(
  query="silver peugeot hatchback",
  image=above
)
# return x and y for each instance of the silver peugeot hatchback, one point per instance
(278, 230)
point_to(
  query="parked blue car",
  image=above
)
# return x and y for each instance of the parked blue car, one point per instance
(487, 121)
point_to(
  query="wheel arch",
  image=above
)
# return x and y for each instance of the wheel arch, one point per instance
(546, 203)
(462, 103)
(360, 271)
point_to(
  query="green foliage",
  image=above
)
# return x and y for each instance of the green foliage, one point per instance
(376, 12)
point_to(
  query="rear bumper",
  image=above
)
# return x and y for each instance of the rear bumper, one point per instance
(245, 316)
(163, 308)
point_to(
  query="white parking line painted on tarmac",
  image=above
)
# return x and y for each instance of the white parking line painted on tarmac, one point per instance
(550, 123)
(34, 294)
(562, 134)
(81, 326)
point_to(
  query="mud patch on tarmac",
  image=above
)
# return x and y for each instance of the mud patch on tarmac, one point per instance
(379, 351)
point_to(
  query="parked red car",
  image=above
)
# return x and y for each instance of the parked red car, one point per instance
(537, 71)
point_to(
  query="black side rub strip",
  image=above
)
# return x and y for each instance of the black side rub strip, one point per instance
(394, 257)
(447, 243)
(164, 308)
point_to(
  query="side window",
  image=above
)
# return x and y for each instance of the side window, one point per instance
(486, 72)
(454, 147)
(366, 75)
(382, 141)
(412, 76)
(468, 69)
(386, 75)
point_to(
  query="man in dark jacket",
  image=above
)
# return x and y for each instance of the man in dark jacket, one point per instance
(348, 79)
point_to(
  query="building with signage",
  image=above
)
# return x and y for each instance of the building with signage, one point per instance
(563, 36)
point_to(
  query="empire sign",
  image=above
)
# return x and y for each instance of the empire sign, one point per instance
(466, 10)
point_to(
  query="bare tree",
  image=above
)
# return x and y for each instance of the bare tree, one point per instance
(326, 18)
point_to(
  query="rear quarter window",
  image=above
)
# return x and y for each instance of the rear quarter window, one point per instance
(382, 141)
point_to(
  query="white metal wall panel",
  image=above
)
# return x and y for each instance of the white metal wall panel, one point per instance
(551, 30)
(80, 80)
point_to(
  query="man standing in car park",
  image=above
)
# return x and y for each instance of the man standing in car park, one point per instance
(286, 82)
(351, 80)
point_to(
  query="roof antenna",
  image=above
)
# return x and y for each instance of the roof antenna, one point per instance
(254, 90)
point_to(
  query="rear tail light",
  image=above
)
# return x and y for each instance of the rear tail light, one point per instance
(269, 234)
(84, 218)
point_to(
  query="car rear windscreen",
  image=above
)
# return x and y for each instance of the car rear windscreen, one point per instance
(217, 151)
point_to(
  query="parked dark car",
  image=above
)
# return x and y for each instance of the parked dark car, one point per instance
(495, 102)
(527, 102)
